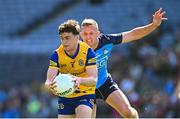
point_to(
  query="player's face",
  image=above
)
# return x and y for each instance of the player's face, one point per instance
(69, 41)
(89, 35)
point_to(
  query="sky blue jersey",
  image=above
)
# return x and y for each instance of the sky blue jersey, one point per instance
(103, 50)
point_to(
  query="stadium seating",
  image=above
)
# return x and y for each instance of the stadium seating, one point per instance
(29, 35)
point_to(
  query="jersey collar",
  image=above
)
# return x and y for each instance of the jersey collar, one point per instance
(77, 51)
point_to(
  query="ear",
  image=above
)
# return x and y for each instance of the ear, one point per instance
(77, 37)
(98, 32)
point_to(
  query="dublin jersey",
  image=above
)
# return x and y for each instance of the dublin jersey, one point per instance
(102, 52)
(76, 65)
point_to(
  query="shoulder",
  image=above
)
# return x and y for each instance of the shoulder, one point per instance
(84, 46)
(103, 40)
(110, 39)
(59, 48)
(103, 37)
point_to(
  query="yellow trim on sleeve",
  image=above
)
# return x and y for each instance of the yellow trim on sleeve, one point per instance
(93, 60)
(91, 66)
(53, 67)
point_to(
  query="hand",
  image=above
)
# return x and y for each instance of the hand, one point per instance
(77, 81)
(158, 17)
(52, 87)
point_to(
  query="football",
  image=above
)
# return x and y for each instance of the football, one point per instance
(64, 85)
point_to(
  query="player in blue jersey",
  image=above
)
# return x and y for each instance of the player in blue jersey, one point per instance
(102, 44)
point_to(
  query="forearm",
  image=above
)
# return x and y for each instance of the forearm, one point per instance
(48, 81)
(89, 81)
(138, 32)
(51, 74)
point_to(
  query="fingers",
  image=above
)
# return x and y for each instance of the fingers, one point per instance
(52, 87)
(164, 19)
(52, 83)
(76, 82)
(158, 11)
(159, 14)
(163, 13)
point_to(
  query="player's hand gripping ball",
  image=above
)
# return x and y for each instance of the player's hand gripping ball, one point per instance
(64, 85)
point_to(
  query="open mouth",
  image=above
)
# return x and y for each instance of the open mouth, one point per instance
(89, 41)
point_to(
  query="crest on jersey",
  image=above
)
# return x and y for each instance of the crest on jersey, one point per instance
(61, 106)
(105, 51)
(81, 62)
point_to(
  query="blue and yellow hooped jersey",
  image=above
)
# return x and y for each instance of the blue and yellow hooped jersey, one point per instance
(75, 65)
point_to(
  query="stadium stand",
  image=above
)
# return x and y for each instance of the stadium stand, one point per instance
(149, 74)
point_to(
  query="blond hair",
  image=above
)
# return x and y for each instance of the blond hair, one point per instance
(87, 22)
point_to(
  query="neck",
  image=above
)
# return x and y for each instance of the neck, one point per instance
(95, 45)
(72, 51)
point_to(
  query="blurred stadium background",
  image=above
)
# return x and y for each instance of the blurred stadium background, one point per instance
(147, 71)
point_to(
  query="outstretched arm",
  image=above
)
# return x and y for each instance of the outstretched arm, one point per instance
(142, 31)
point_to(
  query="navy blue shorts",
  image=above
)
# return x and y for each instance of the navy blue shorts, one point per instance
(106, 89)
(67, 106)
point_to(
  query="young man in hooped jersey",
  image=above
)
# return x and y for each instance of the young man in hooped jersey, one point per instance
(78, 59)
(102, 44)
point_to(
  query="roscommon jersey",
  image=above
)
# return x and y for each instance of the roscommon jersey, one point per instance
(75, 65)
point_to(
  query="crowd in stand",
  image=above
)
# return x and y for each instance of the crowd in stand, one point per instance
(147, 71)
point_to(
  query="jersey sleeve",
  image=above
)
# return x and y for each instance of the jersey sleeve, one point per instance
(53, 62)
(91, 58)
(115, 38)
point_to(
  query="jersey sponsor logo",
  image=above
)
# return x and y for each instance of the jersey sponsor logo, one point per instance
(84, 53)
(81, 62)
(102, 62)
(63, 65)
(65, 92)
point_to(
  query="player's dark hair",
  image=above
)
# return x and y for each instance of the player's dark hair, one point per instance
(70, 26)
